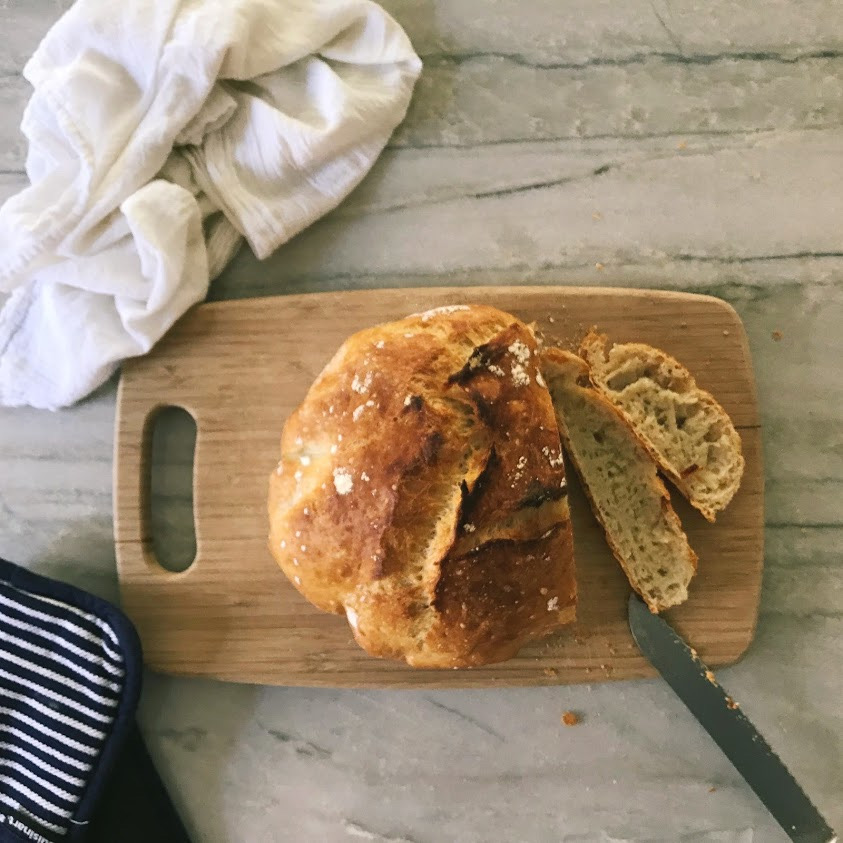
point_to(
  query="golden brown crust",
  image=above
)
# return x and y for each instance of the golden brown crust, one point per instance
(429, 446)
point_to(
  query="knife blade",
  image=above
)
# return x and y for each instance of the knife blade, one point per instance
(731, 730)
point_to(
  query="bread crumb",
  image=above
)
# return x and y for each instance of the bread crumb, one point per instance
(522, 463)
(683, 324)
(540, 380)
(599, 266)
(597, 215)
(469, 528)
(551, 319)
(730, 703)
(570, 718)
(777, 335)
(711, 678)
(552, 604)
(364, 477)
(343, 482)
(408, 400)
(542, 591)
(725, 333)
(682, 144)
(550, 672)
(712, 789)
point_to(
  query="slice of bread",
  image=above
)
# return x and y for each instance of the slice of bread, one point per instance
(622, 482)
(685, 429)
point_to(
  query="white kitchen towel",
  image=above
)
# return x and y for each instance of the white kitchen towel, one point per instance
(162, 133)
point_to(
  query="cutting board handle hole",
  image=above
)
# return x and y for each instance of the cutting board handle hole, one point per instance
(171, 518)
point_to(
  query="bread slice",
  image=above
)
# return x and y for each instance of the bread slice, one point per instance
(685, 429)
(622, 482)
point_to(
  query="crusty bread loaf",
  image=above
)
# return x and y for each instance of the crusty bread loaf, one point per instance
(686, 430)
(622, 484)
(421, 491)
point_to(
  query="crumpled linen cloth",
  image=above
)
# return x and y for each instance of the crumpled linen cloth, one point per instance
(162, 134)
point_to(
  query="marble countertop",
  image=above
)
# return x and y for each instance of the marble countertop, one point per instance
(678, 145)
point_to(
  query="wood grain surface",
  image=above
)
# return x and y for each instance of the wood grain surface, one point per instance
(240, 367)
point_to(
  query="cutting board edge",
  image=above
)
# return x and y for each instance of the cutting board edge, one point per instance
(474, 292)
(460, 680)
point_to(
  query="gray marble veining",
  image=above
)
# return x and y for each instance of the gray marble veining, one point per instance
(651, 143)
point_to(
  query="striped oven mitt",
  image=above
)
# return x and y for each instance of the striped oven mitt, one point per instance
(70, 670)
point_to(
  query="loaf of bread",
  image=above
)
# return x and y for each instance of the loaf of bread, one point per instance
(622, 483)
(421, 491)
(687, 432)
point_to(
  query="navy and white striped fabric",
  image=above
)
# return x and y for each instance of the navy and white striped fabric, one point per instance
(69, 685)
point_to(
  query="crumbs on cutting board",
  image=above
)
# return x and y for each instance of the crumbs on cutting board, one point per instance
(777, 336)
(570, 718)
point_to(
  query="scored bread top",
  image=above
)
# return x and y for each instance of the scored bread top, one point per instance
(687, 432)
(421, 491)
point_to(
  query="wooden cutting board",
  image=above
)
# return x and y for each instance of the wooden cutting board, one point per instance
(240, 367)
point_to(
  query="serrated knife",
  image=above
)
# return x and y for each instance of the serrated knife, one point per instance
(732, 731)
